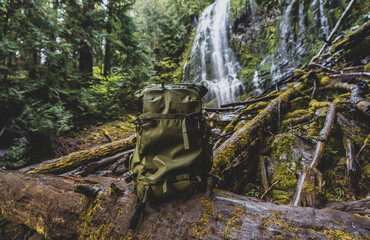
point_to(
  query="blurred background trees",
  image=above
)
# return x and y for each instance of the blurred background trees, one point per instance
(68, 64)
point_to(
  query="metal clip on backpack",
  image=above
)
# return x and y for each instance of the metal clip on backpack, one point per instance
(173, 152)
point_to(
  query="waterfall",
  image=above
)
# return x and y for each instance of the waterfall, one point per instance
(211, 62)
(293, 45)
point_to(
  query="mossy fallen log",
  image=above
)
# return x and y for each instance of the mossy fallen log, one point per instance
(51, 206)
(353, 39)
(76, 159)
(241, 140)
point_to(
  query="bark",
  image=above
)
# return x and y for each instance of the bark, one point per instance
(76, 159)
(254, 129)
(107, 56)
(86, 58)
(313, 192)
(51, 206)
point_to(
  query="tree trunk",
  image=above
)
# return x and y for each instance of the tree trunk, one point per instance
(107, 56)
(86, 58)
(51, 205)
(76, 159)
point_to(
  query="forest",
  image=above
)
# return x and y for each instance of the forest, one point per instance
(288, 106)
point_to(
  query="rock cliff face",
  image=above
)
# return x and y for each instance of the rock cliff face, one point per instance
(271, 38)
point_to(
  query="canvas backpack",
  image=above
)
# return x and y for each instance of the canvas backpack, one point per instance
(173, 153)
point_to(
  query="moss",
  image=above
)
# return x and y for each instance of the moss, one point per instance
(85, 225)
(333, 234)
(367, 68)
(300, 103)
(325, 80)
(282, 147)
(314, 104)
(235, 222)
(208, 212)
(278, 221)
(297, 113)
(82, 157)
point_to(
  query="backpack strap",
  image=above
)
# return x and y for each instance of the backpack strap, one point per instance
(140, 206)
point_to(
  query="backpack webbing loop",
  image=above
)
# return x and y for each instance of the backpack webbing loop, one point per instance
(185, 134)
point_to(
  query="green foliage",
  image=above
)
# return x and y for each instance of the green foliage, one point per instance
(46, 50)
(253, 193)
(15, 157)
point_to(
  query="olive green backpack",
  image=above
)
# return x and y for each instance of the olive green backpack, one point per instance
(173, 153)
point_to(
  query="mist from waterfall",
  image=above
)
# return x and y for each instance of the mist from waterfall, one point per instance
(211, 61)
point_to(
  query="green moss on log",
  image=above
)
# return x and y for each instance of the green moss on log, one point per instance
(80, 158)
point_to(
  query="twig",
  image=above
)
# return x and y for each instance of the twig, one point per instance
(362, 148)
(269, 189)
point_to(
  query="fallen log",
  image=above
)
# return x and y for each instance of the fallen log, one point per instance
(51, 206)
(241, 140)
(92, 167)
(76, 159)
(353, 39)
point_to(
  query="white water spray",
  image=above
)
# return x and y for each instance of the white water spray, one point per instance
(211, 61)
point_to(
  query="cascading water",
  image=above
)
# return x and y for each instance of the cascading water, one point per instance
(211, 61)
(293, 44)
